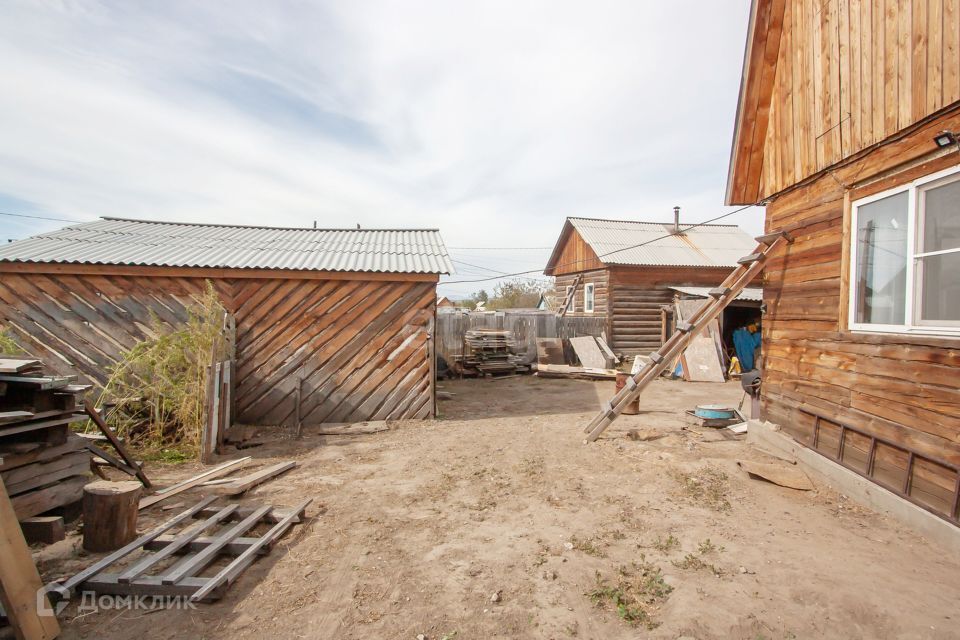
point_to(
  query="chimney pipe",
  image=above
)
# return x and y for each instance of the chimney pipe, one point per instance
(676, 220)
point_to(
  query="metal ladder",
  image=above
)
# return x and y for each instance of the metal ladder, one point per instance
(562, 311)
(748, 267)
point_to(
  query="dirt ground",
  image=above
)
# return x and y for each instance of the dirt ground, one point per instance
(497, 522)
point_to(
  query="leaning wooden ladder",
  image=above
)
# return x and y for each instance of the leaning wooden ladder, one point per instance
(571, 294)
(748, 267)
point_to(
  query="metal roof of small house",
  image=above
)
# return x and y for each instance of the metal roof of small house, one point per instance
(625, 242)
(119, 241)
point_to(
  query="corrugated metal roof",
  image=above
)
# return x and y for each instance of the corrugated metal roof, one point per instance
(116, 241)
(750, 294)
(710, 245)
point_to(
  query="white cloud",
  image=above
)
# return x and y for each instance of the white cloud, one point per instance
(492, 121)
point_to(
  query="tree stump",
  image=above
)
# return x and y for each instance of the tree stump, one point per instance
(110, 514)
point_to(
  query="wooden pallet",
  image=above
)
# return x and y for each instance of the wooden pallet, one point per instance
(222, 532)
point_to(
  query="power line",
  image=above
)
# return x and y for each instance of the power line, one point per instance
(23, 215)
(603, 255)
(476, 266)
(503, 248)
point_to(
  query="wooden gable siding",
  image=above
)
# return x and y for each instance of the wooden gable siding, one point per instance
(848, 75)
(901, 388)
(363, 347)
(575, 256)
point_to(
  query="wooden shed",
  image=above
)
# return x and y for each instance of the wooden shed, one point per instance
(349, 311)
(626, 271)
(847, 128)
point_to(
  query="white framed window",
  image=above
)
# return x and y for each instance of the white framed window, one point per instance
(571, 301)
(588, 292)
(905, 258)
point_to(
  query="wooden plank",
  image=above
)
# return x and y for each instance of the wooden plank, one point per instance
(934, 77)
(130, 461)
(111, 460)
(20, 584)
(195, 564)
(778, 473)
(43, 473)
(37, 425)
(700, 361)
(951, 51)
(16, 365)
(196, 480)
(918, 27)
(42, 383)
(229, 574)
(589, 353)
(38, 453)
(275, 516)
(245, 483)
(353, 428)
(179, 542)
(40, 501)
(14, 416)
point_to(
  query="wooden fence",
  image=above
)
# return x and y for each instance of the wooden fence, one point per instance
(526, 326)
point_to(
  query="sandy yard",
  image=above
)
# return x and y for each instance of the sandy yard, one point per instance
(497, 522)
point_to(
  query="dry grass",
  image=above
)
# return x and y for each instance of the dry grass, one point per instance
(707, 487)
(160, 384)
(8, 346)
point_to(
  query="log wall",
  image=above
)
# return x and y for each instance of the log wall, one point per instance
(636, 296)
(904, 388)
(601, 301)
(362, 347)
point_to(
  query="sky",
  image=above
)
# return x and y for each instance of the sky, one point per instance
(492, 121)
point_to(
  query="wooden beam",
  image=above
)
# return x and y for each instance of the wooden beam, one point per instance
(108, 432)
(20, 584)
(203, 272)
(241, 485)
(198, 479)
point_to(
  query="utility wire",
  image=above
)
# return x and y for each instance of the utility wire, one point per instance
(502, 248)
(603, 255)
(476, 266)
(23, 215)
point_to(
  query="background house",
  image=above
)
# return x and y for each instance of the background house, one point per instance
(627, 271)
(840, 129)
(348, 311)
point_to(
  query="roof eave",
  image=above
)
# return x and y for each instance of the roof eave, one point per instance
(753, 106)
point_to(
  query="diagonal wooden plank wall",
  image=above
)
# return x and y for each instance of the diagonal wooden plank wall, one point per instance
(362, 347)
(81, 324)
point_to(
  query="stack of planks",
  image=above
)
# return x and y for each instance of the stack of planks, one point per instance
(490, 352)
(44, 465)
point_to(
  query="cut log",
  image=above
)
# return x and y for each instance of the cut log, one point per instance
(110, 514)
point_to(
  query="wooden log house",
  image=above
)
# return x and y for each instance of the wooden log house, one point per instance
(847, 129)
(349, 311)
(626, 271)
